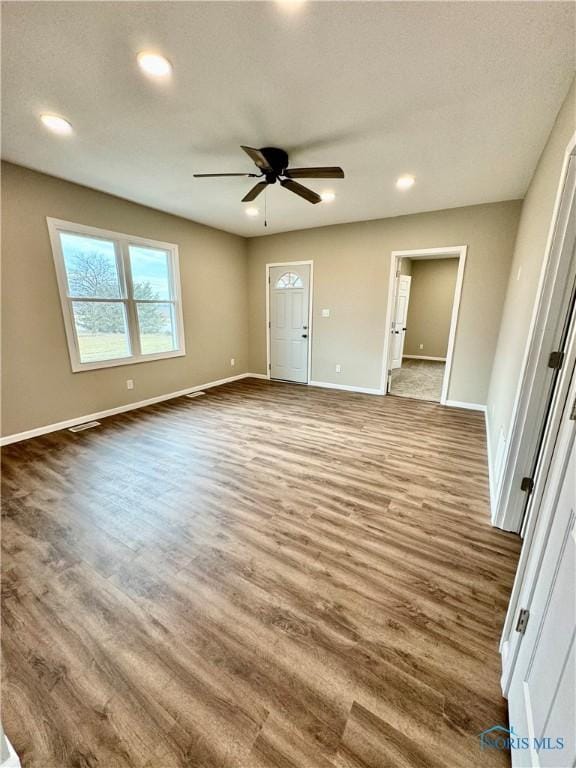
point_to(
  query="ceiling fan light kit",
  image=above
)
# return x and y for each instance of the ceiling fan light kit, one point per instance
(272, 163)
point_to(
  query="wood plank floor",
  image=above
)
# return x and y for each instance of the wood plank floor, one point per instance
(268, 576)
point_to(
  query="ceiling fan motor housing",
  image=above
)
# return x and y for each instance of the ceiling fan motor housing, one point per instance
(277, 159)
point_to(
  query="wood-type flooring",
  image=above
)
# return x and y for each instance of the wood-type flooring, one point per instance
(268, 576)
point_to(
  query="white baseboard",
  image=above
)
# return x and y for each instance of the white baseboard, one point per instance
(17, 437)
(469, 406)
(491, 479)
(44, 430)
(423, 357)
(346, 387)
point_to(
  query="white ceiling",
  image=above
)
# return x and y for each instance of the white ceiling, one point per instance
(462, 95)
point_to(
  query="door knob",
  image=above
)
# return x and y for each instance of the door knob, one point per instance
(304, 335)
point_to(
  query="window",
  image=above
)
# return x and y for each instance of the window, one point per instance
(289, 280)
(120, 296)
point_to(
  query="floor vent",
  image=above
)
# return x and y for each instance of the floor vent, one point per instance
(195, 394)
(82, 427)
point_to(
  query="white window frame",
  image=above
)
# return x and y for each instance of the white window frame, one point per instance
(121, 245)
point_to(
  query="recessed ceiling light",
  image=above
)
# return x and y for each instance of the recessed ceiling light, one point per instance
(154, 64)
(290, 6)
(405, 182)
(328, 196)
(56, 124)
(252, 211)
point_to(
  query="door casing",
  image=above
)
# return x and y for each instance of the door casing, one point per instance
(310, 304)
(458, 251)
(539, 520)
(541, 555)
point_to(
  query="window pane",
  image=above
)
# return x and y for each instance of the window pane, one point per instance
(150, 273)
(156, 328)
(102, 330)
(289, 280)
(91, 266)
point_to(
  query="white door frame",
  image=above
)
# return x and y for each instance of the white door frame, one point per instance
(310, 303)
(539, 523)
(451, 251)
(525, 421)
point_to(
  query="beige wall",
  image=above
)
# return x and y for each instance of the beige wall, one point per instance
(224, 298)
(351, 269)
(38, 386)
(406, 267)
(527, 265)
(430, 306)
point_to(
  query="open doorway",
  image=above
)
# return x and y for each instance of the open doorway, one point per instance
(423, 302)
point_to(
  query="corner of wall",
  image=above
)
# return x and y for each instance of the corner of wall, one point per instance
(255, 319)
(246, 314)
(495, 456)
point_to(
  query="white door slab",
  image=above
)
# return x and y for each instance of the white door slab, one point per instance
(289, 322)
(398, 329)
(542, 692)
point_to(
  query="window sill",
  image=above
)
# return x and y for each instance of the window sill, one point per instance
(133, 360)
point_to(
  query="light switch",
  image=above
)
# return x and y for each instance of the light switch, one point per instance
(325, 313)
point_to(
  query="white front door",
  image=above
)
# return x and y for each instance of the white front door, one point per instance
(542, 693)
(289, 327)
(398, 329)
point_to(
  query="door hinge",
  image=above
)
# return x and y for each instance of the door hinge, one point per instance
(573, 412)
(527, 484)
(522, 622)
(398, 273)
(269, 324)
(269, 366)
(555, 360)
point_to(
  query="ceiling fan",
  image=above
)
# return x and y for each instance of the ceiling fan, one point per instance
(273, 166)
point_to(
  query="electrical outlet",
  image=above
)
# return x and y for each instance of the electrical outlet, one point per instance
(232, 361)
(325, 313)
(338, 368)
(421, 346)
(129, 383)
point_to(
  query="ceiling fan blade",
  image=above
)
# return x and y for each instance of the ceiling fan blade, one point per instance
(257, 157)
(255, 191)
(212, 175)
(330, 172)
(298, 189)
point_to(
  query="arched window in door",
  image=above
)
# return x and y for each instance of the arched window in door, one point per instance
(289, 280)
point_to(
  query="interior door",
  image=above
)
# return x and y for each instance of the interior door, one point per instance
(289, 327)
(399, 322)
(541, 697)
